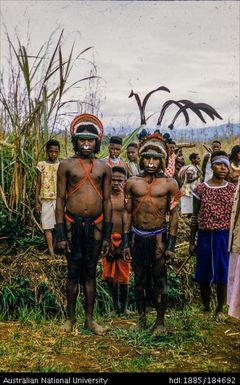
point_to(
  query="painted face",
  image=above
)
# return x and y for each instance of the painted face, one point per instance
(151, 164)
(118, 180)
(114, 150)
(220, 170)
(86, 146)
(53, 153)
(132, 154)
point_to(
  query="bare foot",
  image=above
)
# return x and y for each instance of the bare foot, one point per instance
(96, 328)
(220, 317)
(68, 326)
(158, 330)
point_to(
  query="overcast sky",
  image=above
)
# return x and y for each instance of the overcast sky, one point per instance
(192, 47)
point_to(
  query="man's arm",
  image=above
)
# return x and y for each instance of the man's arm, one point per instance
(127, 214)
(127, 220)
(61, 192)
(107, 211)
(107, 205)
(173, 220)
(204, 164)
(60, 230)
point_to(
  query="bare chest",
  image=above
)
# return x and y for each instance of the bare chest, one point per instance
(78, 172)
(117, 203)
(156, 189)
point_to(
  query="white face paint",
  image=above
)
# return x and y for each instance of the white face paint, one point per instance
(150, 165)
(86, 147)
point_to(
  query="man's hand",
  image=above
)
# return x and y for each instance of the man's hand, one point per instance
(105, 248)
(192, 249)
(63, 246)
(126, 254)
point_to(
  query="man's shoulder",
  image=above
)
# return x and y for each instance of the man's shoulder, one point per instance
(102, 162)
(67, 162)
(134, 178)
(170, 183)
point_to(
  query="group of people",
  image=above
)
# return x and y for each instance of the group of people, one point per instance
(126, 215)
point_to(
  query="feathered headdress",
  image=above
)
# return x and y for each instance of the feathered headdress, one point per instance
(153, 141)
(87, 122)
(183, 105)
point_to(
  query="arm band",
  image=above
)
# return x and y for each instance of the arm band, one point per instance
(171, 242)
(60, 232)
(125, 240)
(107, 230)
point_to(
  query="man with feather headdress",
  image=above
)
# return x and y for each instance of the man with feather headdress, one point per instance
(148, 200)
(83, 215)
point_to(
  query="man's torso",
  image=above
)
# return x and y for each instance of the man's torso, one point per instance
(150, 202)
(86, 200)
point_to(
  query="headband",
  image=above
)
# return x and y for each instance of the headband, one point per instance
(154, 144)
(84, 120)
(86, 135)
(151, 155)
(221, 159)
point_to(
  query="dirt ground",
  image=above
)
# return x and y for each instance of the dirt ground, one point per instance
(39, 347)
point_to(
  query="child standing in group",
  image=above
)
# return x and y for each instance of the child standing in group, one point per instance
(212, 206)
(45, 196)
(116, 270)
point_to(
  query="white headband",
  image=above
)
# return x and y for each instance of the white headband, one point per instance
(221, 159)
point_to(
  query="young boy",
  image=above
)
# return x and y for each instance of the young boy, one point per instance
(45, 197)
(116, 270)
(132, 164)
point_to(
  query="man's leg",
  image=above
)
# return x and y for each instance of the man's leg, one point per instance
(221, 300)
(123, 294)
(114, 290)
(49, 240)
(140, 276)
(72, 293)
(89, 285)
(159, 274)
(205, 290)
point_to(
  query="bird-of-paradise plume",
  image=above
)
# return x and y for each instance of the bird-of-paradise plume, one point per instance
(142, 105)
(183, 106)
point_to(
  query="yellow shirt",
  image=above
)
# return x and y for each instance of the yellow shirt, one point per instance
(48, 173)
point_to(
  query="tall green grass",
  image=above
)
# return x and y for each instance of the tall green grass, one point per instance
(33, 98)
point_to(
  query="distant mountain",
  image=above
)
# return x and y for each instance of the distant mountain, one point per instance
(204, 134)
